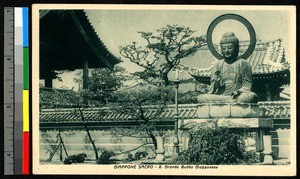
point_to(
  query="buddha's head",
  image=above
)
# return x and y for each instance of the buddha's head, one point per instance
(229, 46)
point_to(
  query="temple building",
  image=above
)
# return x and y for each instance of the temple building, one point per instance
(67, 42)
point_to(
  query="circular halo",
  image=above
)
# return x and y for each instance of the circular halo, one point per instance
(242, 20)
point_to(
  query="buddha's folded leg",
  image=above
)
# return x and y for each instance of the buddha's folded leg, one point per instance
(212, 98)
(248, 97)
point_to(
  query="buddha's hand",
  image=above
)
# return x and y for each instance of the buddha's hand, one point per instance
(235, 94)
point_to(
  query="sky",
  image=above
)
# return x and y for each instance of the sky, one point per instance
(119, 27)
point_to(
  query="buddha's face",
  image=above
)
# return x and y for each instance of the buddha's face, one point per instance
(229, 51)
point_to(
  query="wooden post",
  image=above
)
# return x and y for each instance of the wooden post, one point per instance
(259, 140)
(85, 74)
(276, 93)
(48, 82)
(85, 79)
(268, 92)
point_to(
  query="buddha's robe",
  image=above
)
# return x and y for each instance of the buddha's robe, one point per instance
(227, 79)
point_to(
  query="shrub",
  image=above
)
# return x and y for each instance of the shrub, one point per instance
(67, 161)
(212, 145)
(104, 157)
(129, 158)
(140, 154)
(79, 158)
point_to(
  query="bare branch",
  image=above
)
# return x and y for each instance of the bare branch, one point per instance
(169, 44)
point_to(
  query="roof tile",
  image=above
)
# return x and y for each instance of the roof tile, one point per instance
(279, 110)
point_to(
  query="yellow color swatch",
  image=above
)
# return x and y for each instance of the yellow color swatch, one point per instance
(25, 110)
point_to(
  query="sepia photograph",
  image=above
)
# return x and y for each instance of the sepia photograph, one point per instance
(164, 90)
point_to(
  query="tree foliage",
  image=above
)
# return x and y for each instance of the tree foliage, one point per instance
(102, 83)
(170, 44)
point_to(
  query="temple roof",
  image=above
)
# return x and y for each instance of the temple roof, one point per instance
(67, 39)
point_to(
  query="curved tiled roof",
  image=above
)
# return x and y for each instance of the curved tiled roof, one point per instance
(96, 116)
(82, 17)
(106, 114)
(275, 109)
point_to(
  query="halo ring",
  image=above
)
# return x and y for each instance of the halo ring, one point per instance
(236, 17)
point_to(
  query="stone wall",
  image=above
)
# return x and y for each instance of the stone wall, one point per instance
(77, 142)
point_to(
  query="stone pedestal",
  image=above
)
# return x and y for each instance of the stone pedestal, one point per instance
(160, 149)
(268, 159)
(224, 110)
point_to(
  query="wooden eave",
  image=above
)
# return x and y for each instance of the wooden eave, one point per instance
(67, 39)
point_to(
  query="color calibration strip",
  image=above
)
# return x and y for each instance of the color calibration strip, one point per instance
(16, 92)
(25, 164)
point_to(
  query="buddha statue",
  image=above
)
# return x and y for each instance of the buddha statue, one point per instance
(231, 77)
